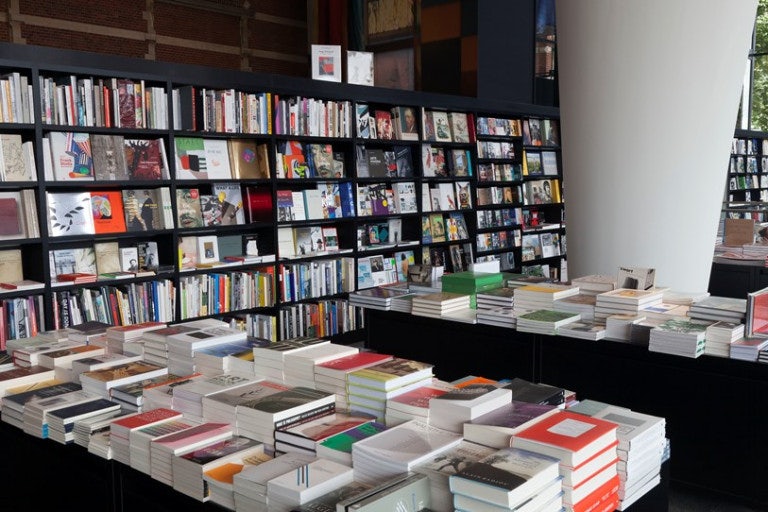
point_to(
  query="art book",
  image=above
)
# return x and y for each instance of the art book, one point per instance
(69, 213)
(190, 158)
(145, 159)
(107, 211)
(248, 160)
(108, 157)
(12, 223)
(217, 159)
(15, 166)
(230, 197)
(71, 156)
(189, 212)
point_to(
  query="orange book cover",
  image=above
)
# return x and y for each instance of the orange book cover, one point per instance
(107, 210)
(604, 498)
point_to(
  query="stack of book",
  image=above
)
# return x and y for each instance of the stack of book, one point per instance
(748, 348)
(88, 331)
(299, 367)
(376, 298)
(619, 327)
(164, 449)
(140, 440)
(583, 329)
(720, 336)
(221, 406)
(129, 339)
(640, 449)
(496, 297)
(61, 422)
(438, 304)
(595, 284)
(681, 336)
(331, 376)
(414, 404)
(399, 449)
(451, 410)
(341, 497)
(536, 393)
(403, 303)
(626, 301)
(242, 363)
(120, 430)
(496, 428)
(182, 347)
(664, 311)
(87, 430)
(91, 364)
(268, 360)
(369, 388)
(217, 359)
(541, 296)
(587, 450)
(250, 484)
(36, 411)
(220, 480)
(471, 283)
(545, 321)
(306, 483)
(30, 355)
(155, 349)
(305, 436)
(101, 382)
(581, 303)
(714, 308)
(188, 397)
(131, 396)
(100, 445)
(188, 468)
(339, 447)
(508, 479)
(157, 393)
(12, 411)
(259, 417)
(62, 359)
(440, 468)
(501, 316)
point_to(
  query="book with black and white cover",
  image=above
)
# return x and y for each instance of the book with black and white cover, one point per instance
(399, 449)
(222, 405)
(69, 213)
(188, 397)
(506, 478)
(440, 467)
(535, 392)
(250, 484)
(307, 482)
(36, 412)
(12, 411)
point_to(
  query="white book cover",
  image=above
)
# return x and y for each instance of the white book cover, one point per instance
(71, 156)
(310, 481)
(69, 213)
(217, 159)
(407, 444)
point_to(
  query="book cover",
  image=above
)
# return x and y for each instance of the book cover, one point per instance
(145, 159)
(69, 213)
(230, 196)
(107, 211)
(11, 216)
(248, 159)
(191, 158)
(189, 212)
(108, 157)
(14, 165)
(217, 159)
(71, 156)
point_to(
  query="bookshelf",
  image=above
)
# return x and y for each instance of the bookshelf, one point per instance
(175, 128)
(746, 190)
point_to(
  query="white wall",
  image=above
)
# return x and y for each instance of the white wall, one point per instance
(649, 93)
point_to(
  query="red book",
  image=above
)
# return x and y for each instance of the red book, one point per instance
(77, 277)
(415, 401)
(123, 426)
(10, 220)
(603, 499)
(573, 438)
(107, 210)
(340, 366)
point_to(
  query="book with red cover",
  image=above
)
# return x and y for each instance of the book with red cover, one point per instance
(77, 277)
(123, 426)
(258, 204)
(417, 400)
(146, 159)
(340, 366)
(569, 436)
(107, 210)
(10, 219)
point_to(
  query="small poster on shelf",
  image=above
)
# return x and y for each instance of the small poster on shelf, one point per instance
(326, 62)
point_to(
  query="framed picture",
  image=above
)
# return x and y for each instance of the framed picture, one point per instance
(389, 20)
(394, 69)
(360, 68)
(207, 249)
(326, 62)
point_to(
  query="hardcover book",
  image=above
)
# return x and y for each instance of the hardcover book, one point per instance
(71, 156)
(145, 159)
(69, 213)
(108, 157)
(248, 160)
(107, 211)
(189, 212)
(190, 158)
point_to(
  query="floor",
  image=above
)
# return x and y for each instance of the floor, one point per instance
(686, 500)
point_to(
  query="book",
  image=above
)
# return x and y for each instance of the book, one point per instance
(570, 437)
(190, 157)
(145, 159)
(71, 156)
(496, 427)
(107, 211)
(69, 213)
(307, 482)
(391, 374)
(12, 216)
(189, 212)
(359, 67)
(217, 159)
(248, 159)
(506, 478)
(108, 157)
(308, 434)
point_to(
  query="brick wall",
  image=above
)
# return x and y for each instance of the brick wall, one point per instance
(251, 35)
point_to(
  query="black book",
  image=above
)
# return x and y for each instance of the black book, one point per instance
(526, 391)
